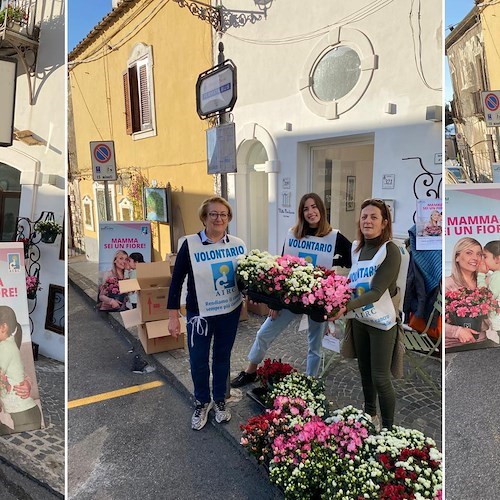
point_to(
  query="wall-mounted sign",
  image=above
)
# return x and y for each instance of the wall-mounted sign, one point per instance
(388, 181)
(491, 106)
(216, 89)
(102, 156)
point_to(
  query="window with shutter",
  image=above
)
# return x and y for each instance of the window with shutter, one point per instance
(138, 93)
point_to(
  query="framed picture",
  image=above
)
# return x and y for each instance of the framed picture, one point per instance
(350, 193)
(54, 319)
(155, 202)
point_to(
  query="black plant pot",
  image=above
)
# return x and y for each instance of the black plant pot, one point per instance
(49, 237)
(473, 323)
(31, 295)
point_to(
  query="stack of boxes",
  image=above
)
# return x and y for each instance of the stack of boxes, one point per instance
(151, 316)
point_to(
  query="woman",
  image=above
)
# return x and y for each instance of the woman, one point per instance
(314, 239)
(213, 302)
(375, 267)
(467, 257)
(433, 227)
(109, 296)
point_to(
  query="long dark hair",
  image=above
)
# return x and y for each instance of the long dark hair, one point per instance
(300, 229)
(386, 215)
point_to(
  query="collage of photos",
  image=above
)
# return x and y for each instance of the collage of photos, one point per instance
(249, 249)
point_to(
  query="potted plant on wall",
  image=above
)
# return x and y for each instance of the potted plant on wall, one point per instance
(13, 17)
(32, 286)
(48, 230)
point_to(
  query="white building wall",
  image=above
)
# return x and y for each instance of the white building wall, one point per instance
(43, 166)
(271, 57)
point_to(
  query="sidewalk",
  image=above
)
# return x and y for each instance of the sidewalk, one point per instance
(40, 454)
(417, 405)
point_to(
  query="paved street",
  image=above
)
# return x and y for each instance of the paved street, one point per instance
(472, 425)
(140, 445)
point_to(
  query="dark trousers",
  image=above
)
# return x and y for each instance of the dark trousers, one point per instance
(374, 349)
(223, 331)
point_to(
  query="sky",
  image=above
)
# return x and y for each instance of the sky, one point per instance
(83, 15)
(455, 11)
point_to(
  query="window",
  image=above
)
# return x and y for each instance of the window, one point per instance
(138, 93)
(126, 209)
(88, 213)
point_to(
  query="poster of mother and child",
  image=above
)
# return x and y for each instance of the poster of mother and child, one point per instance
(19, 397)
(472, 266)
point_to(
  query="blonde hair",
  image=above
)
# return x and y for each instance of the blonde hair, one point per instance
(301, 227)
(203, 210)
(456, 272)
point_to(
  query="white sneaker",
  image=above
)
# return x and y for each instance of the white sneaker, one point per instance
(222, 414)
(200, 415)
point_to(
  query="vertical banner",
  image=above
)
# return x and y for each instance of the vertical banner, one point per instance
(472, 266)
(429, 224)
(121, 246)
(19, 397)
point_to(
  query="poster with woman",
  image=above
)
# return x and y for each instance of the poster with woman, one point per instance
(429, 224)
(121, 246)
(472, 266)
(19, 397)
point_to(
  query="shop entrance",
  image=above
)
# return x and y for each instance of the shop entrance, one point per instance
(10, 196)
(342, 174)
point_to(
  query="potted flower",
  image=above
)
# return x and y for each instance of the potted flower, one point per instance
(32, 286)
(27, 243)
(468, 308)
(48, 230)
(13, 15)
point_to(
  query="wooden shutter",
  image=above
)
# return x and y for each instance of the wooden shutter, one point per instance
(128, 108)
(144, 97)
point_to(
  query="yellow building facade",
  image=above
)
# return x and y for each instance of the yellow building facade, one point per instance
(132, 81)
(490, 22)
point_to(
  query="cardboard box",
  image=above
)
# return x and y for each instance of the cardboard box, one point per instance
(152, 285)
(155, 338)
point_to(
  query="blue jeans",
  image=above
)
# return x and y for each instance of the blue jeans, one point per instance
(222, 329)
(272, 328)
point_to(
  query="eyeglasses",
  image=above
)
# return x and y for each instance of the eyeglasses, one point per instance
(216, 215)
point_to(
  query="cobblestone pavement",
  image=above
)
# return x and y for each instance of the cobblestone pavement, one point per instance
(41, 454)
(417, 405)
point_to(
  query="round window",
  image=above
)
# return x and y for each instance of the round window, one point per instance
(336, 73)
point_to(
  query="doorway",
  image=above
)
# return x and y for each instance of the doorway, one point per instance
(10, 197)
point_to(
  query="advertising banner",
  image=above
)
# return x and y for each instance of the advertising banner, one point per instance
(19, 397)
(429, 224)
(472, 266)
(121, 246)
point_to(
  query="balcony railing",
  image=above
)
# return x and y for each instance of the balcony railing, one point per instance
(18, 20)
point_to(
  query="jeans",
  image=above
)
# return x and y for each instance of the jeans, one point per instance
(222, 329)
(270, 330)
(374, 349)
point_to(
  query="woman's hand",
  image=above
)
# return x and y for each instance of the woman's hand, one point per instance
(341, 312)
(466, 335)
(23, 389)
(273, 314)
(115, 303)
(174, 326)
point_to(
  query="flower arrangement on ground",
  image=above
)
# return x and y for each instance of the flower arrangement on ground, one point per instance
(294, 282)
(32, 285)
(272, 371)
(465, 303)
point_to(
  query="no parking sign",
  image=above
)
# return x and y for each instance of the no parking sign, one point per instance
(102, 154)
(491, 105)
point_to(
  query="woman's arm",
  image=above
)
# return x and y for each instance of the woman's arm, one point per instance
(181, 269)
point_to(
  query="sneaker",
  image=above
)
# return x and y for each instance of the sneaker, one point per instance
(200, 415)
(222, 414)
(243, 378)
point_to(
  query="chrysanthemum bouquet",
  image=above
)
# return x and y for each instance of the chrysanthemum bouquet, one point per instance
(465, 303)
(292, 281)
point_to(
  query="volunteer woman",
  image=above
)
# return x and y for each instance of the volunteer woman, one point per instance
(375, 267)
(213, 303)
(313, 239)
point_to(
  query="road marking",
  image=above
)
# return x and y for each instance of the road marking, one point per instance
(114, 394)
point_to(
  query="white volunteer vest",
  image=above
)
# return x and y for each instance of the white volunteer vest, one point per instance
(317, 251)
(380, 314)
(214, 273)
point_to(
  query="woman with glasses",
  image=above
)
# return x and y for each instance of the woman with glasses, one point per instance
(312, 238)
(213, 303)
(375, 267)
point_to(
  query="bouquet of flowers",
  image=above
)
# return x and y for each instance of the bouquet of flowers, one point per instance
(272, 371)
(433, 230)
(32, 284)
(465, 303)
(293, 283)
(111, 288)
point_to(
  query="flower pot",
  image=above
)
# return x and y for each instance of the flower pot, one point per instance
(473, 323)
(31, 295)
(49, 237)
(258, 394)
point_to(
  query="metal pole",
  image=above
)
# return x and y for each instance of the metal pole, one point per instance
(222, 120)
(107, 201)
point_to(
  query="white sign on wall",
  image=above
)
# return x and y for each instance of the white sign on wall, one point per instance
(491, 106)
(102, 156)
